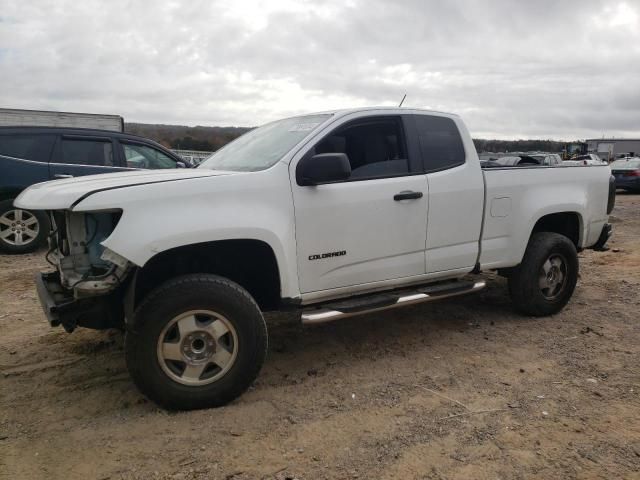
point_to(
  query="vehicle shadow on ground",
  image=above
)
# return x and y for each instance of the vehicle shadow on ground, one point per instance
(404, 324)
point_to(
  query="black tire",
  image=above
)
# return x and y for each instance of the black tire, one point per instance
(525, 281)
(8, 244)
(186, 294)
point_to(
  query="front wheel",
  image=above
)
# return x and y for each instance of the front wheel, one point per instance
(21, 231)
(545, 280)
(197, 341)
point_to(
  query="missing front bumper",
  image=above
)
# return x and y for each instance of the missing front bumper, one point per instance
(100, 312)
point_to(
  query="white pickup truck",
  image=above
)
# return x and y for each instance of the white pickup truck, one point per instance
(333, 214)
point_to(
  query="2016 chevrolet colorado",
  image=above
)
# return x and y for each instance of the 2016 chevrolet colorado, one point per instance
(334, 214)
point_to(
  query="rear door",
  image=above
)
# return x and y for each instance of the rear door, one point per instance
(78, 155)
(456, 194)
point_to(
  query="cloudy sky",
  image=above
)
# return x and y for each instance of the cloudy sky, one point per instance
(551, 69)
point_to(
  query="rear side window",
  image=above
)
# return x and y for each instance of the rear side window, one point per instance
(87, 152)
(440, 142)
(29, 147)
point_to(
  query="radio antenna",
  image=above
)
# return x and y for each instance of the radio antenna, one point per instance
(402, 101)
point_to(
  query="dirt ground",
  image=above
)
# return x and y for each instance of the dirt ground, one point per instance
(465, 389)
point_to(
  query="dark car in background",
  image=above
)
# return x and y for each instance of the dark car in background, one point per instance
(627, 173)
(30, 155)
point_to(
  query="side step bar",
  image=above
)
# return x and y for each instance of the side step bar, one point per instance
(385, 301)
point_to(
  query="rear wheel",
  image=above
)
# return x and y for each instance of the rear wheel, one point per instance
(21, 231)
(545, 280)
(197, 341)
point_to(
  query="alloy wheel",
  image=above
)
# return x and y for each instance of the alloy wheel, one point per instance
(18, 227)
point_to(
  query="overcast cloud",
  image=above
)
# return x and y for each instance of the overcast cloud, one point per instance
(543, 69)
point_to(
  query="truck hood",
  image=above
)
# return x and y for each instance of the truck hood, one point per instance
(64, 194)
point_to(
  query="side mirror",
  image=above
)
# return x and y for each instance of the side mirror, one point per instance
(181, 165)
(323, 168)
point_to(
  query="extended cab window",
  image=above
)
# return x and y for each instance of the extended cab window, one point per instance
(87, 152)
(375, 147)
(28, 147)
(143, 156)
(440, 142)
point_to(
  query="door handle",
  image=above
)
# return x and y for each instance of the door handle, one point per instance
(407, 195)
(62, 175)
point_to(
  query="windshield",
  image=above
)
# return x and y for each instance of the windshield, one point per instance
(630, 164)
(261, 148)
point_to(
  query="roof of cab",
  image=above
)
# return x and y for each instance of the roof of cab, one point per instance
(397, 110)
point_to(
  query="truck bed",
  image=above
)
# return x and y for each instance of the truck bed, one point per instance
(533, 192)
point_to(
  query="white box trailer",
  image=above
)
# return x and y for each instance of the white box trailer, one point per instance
(10, 117)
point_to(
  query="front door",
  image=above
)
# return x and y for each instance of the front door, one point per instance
(365, 229)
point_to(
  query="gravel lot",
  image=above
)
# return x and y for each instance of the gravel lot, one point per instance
(459, 389)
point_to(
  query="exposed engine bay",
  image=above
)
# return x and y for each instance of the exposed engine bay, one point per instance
(85, 266)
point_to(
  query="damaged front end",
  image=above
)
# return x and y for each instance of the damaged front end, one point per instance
(87, 288)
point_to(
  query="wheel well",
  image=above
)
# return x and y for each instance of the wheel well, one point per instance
(564, 223)
(9, 194)
(250, 263)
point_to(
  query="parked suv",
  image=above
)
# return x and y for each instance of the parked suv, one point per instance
(31, 155)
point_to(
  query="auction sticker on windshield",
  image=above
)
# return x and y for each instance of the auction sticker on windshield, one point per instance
(303, 127)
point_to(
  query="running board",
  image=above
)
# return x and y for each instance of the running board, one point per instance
(385, 301)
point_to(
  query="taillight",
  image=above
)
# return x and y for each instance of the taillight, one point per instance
(633, 173)
(611, 200)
